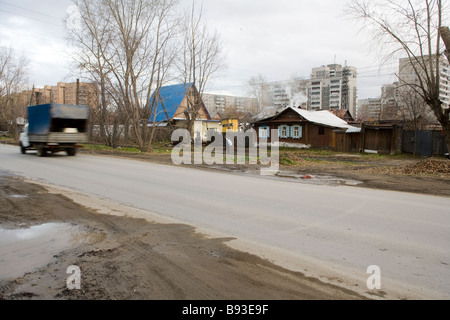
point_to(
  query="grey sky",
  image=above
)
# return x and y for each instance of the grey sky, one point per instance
(278, 39)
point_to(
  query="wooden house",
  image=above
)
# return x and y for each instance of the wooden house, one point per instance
(169, 105)
(302, 128)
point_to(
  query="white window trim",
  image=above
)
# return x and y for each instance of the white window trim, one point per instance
(300, 131)
(286, 129)
(264, 132)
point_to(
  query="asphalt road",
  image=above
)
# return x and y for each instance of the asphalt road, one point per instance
(331, 232)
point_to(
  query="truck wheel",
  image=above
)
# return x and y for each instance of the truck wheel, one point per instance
(23, 149)
(41, 152)
(71, 151)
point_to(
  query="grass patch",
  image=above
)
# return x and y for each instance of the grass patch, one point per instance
(162, 147)
(310, 152)
(161, 151)
(287, 161)
(97, 147)
(7, 139)
(157, 148)
(102, 147)
(129, 149)
(314, 160)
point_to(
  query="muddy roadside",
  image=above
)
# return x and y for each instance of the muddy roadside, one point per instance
(126, 258)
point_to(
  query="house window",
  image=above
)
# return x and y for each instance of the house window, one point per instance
(284, 132)
(321, 131)
(264, 132)
(297, 132)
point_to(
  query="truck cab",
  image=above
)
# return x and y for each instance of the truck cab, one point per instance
(23, 139)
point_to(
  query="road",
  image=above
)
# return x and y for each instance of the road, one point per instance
(331, 232)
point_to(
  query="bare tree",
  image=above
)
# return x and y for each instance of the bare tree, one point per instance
(92, 36)
(200, 60)
(363, 113)
(410, 28)
(413, 110)
(13, 72)
(258, 89)
(126, 48)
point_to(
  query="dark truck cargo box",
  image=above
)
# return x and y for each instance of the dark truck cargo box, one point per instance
(55, 127)
(46, 118)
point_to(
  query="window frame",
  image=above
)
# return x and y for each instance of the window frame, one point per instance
(299, 131)
(286, 129)
(266, 130)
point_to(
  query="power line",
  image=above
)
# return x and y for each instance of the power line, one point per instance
(49, 35)
(379, 66)
(32, 18)
(30, 10)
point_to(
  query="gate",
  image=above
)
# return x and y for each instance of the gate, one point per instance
(424, 142)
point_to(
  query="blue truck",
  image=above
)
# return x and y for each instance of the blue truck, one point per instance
(54, 128)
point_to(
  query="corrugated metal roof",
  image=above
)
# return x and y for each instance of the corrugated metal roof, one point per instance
(170, 99)
(323, 117)
(352, 129)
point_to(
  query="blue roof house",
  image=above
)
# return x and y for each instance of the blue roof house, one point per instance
(169, 105)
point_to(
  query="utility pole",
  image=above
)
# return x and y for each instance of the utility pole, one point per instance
(77, 94)
(31, 96)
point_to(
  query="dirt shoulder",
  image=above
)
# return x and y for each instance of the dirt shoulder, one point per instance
(123, 257)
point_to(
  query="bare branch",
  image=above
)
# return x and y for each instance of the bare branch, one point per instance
(413, 27)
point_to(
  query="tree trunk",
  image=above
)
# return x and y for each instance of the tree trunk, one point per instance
(446, 130)
(445, 35)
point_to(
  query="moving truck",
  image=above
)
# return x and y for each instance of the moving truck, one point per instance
(54, 128)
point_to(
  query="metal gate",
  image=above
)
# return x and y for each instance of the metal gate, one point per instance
(424, 142)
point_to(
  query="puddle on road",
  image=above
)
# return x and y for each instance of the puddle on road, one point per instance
(24, 250)
(319, 179)
(305, 178)
(18, 196)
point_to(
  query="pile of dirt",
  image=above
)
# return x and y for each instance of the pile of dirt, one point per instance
(432, 167)
(435, 167)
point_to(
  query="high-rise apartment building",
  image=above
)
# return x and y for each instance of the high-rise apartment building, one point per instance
(369, 109)
(220, 103)
(408, 75)
(389, 101)
(333, 87)
(277, 93)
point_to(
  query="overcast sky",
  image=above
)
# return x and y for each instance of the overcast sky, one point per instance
(277, 39)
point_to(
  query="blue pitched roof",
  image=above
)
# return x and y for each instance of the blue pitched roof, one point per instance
(170, 98)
